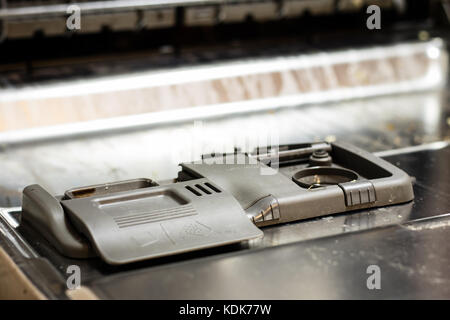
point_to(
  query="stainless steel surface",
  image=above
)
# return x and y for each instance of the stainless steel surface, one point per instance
(208, 90)
(8, 230)
(90, 7)
(6, 213)
(23, 20)
(413, 259)
(100, 7)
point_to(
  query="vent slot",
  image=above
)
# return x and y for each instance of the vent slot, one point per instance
(198, 194)
(203, 189)
(213, 188)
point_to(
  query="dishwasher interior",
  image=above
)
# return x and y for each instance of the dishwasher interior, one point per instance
(144, 86)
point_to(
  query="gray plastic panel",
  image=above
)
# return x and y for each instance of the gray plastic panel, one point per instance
(377, 183)
(158, 221)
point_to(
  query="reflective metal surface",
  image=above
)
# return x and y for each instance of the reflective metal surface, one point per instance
(20, 19)
(328, 268)
(188, 93)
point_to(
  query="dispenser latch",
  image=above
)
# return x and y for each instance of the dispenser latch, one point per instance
(358, 192)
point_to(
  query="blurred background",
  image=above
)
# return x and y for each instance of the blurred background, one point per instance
(138, 86)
